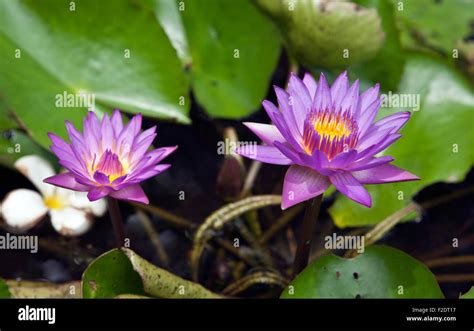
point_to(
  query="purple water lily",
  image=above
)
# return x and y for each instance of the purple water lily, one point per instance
(108, 159)
(328, 135)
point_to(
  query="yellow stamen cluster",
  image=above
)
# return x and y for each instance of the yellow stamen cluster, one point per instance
(329, 132)
(332, 127)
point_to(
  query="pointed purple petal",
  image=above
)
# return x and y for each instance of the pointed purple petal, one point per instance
(145, 135)
(66, 180)
(116, 121)
(282, 126)
(310, 84)
(386, 173)
(108, 141)
(97, 193)
(287, 151)
(146, 173)
(301, 184)
(317, 161)
(64, 155)
(299, 112)
(287, 112)
(128, 134)
(141, 146)
(366, 118)
(73, 167)
(392, 123)
(266, 154)
(59, 142)
(351, 188)
(351, 99)
(266, 132)
(78, 146)
(131, 193)
(297, 89)
(372, 137)
(341, 160)
(159, 154)
(92, 133)
(368, 97)
(369, 163)
(374, 149)
(101, 178)
(283, 99)
(322, 98)
(339, 90)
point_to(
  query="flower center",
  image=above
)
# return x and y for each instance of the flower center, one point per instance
(54, 202)
(330, 132)
(110, 166)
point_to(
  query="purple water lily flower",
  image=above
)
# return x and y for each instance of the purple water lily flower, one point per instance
(328, 136)
(108, 159)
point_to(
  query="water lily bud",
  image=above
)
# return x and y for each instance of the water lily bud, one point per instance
(326, 33)
(231, 175)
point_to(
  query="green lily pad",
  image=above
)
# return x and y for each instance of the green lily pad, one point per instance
(234, 50)
(114, 51)
(434, 24)
(122, 272)
(469, 294)
(387, 66)
(326, 33)
(4, 291)
(6, 119)
(163, 284)
(167, 13)
(30, 92)
(110, 275)
(15, 144)
(380, 272)
(436, 143)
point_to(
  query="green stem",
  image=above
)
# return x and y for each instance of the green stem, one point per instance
(117, 222)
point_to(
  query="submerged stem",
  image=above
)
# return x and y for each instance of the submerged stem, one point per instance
(306, 233)
(117, 222)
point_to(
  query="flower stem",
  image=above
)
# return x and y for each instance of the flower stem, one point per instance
(117, 222)
(306, 233)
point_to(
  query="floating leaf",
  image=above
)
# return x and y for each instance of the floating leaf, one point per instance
(387, 66)
(6, 119)
(168, 14)
(123, 272)
(161, 283)
(326, 33)
(15, 144)
(114, 51)
(469, 294)
(234, 51)
(4, 291)
(110, 275)
(30, 94)
(426, 23)
(436, 142)
(380, 272)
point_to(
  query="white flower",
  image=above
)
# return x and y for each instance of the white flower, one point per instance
(71, 212)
